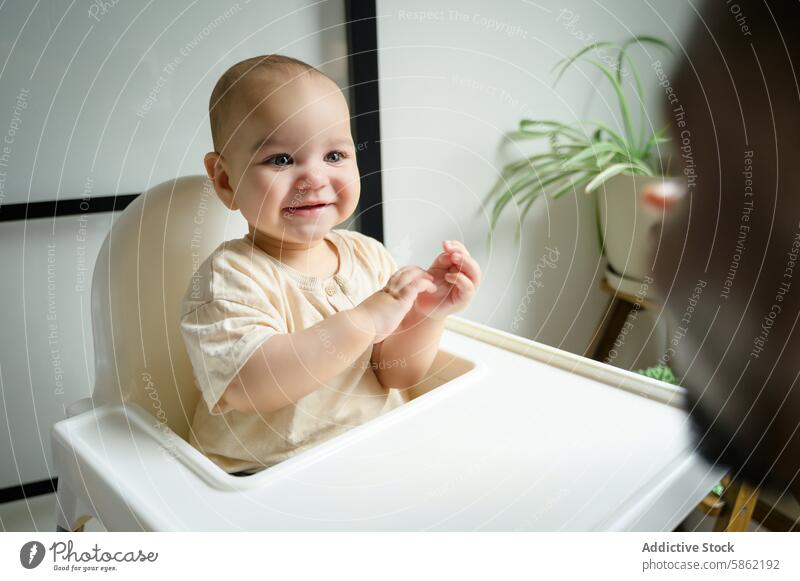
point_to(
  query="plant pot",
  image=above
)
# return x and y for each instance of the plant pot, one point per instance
(626, 222)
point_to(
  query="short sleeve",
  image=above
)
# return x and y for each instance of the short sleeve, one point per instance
(220, 337)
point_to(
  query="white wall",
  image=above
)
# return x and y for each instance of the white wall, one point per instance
(455, 76)
(99, 114)
(46, 354)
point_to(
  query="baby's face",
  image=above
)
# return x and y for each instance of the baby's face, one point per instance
(292, 161)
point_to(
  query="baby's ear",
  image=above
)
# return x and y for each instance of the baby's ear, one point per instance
(215, 168)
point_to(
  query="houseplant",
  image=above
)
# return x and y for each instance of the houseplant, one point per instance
(593, 157)
(660, 372)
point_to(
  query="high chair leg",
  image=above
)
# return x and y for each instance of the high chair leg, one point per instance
(71, 514)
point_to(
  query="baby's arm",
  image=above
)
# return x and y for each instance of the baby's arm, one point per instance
(288, 367)
(405, 357)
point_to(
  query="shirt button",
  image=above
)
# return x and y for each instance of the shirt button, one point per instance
(330, 291)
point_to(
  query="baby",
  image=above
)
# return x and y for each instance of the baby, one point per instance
(300, 332)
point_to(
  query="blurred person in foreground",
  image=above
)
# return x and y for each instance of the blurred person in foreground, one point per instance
(735, 116)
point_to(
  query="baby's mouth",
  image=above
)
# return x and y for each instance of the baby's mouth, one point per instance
(306, 208)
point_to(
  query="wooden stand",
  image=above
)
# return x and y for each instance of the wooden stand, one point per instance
(618, 311)
(739, 504)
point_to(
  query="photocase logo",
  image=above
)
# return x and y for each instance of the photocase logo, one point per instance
(31, 554)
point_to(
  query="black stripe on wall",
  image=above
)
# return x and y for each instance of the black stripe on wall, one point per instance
(9, 212)
(27, 490)
(362, 47)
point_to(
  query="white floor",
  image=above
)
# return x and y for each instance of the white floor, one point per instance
(37, 513)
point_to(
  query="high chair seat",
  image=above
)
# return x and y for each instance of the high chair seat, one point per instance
(506, 434)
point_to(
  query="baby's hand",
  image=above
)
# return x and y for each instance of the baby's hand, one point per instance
(389, 306)
(456, 275)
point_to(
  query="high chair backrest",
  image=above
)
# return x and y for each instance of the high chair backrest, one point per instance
(142, 272)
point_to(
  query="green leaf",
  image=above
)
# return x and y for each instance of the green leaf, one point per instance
(623, 103)
(501, 203)
(609, 173)
(534, 194)
(616, 137)
(549, 124)
(506, 199)
(639, 94)
(638, 40)
(604, 160)
(624, 56)
(594, 150)
(565, 63)
(641, 167)
(657, 138)
(532, 197)
(521, 185)
(554, 180)
(571, 186)
(601, 243)
(511, 170)
(542, 128)
(525, 135)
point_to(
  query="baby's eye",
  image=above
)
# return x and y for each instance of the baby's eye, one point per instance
(280, 160)
(335, 156)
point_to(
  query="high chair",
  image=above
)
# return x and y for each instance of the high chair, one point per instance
(505, 434)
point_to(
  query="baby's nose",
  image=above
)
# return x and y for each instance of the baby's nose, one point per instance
(312, 180)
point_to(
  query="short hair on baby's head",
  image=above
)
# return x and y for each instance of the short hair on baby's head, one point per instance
(275, 67)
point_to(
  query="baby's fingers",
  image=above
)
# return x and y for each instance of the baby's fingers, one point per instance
(468, 266)
(416, 286)
(405, 275)
(407, 282)
(461, 281)
(425, 285)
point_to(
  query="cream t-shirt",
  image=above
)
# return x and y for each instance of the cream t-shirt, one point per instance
(238, 298)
